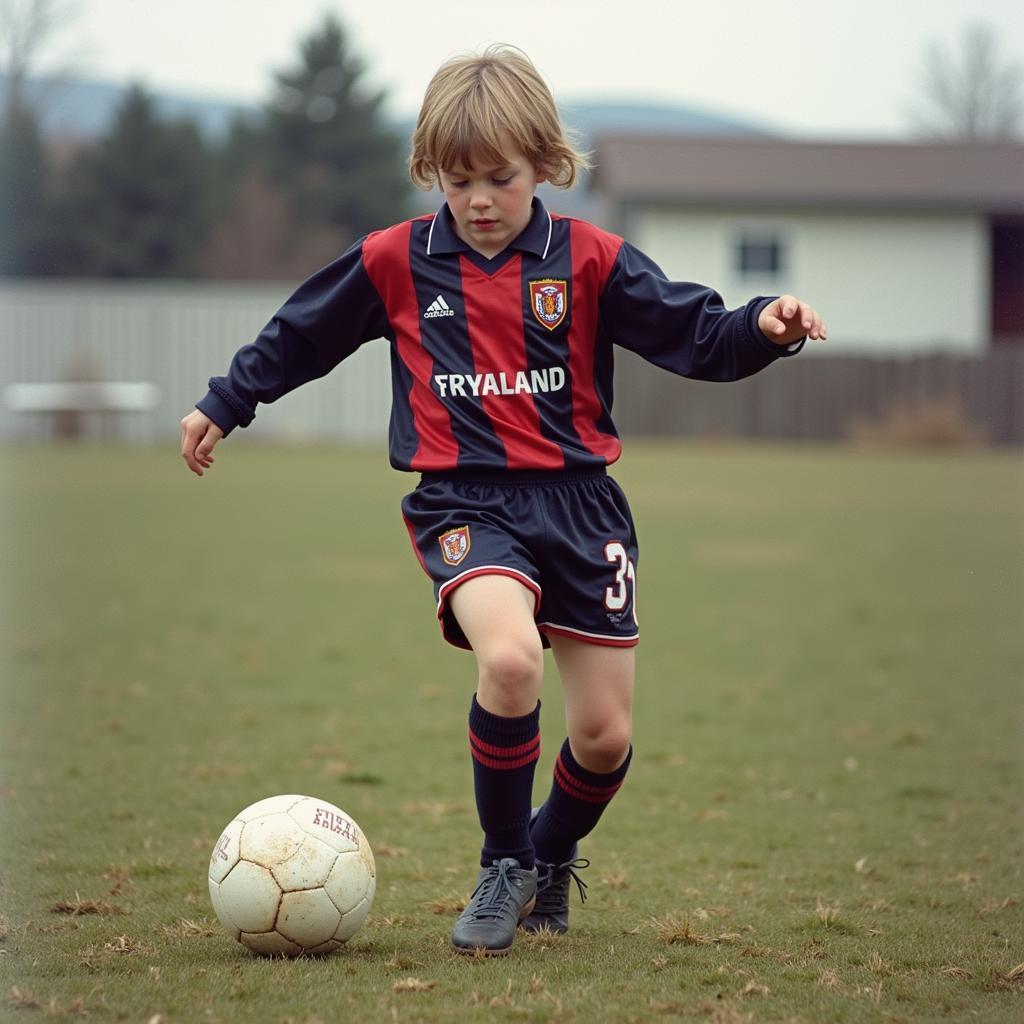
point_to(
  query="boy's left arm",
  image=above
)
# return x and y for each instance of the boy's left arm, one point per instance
(685, 327)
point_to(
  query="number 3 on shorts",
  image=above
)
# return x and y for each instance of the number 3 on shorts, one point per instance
(615, 598)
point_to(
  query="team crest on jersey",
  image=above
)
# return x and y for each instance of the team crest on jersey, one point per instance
(454, 545)
(549, 300)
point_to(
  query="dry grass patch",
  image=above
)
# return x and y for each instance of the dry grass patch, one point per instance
(829, 979)
(125, 945)
(826, 913)
(957, 972)
(413, 985)
(393, 921)
(615, 880)
(754, 988)
(542, 937)
(995, 905)
(707, 912)
(384, 851)
(23, 999)
(1011, 979)
(938, 421)
(877, 965)
(673, 929)
(188, 928)
(119, 879)
(722, 1013)
(674, 1007)
(402, 963)
(78, 906)
(448, 905)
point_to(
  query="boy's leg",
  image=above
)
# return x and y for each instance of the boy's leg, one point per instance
(598, 683)
(496, 614)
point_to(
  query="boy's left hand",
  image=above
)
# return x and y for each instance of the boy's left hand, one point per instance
(787, 319)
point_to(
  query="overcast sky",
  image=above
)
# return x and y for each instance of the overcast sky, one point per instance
(827, 69)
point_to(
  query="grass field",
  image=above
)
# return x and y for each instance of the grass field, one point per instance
(822, 823)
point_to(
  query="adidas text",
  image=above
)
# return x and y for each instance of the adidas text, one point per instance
(438, 308)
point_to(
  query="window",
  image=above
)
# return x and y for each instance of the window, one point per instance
(760, 254)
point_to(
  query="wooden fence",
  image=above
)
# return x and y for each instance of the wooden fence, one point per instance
(937, 398)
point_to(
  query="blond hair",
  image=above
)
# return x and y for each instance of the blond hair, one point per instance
(475, 103)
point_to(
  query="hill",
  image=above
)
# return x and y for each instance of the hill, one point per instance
(81, 109)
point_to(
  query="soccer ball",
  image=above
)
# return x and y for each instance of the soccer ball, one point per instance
(292, 875)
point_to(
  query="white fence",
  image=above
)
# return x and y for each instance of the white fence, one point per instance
(174, 336)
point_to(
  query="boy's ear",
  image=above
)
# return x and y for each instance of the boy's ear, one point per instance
(541, 175)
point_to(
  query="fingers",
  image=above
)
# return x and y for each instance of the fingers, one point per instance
(788, 306)
(198, 437)
(813, 325)
(792, 310)
(769, 321)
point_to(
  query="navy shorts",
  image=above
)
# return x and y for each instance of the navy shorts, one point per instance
(568, 537)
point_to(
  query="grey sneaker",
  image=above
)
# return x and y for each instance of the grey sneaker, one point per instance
(504, 895)
(551, 911)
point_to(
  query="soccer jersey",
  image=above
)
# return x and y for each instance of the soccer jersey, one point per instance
(497, 364)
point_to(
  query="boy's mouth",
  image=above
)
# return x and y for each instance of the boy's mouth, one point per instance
(484, 224)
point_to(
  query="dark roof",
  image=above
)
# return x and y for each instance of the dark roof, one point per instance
(986, 177)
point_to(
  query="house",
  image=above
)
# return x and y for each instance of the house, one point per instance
(904, 247)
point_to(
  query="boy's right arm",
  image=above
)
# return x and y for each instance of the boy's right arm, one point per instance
(327, 318)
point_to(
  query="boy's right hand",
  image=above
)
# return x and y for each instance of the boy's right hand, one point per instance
(198, 436)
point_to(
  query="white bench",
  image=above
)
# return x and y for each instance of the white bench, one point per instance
(68, 402)
(83, 396)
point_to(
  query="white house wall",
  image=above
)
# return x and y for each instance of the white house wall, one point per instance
(886, 282)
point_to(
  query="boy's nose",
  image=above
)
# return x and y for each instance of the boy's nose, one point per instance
(480, 201)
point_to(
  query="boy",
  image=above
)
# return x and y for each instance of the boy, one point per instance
(501, 319)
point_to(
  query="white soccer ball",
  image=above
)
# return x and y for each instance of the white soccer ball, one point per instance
(292, 875)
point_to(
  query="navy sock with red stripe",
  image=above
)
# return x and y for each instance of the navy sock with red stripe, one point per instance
(505, 752)
(576, 802)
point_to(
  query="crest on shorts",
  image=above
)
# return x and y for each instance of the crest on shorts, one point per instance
(454, 545)
(549, 300)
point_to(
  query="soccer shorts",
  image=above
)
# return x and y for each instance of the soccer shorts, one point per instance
(568, 537)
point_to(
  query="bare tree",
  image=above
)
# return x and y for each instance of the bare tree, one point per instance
(970, 92)
(26, 28)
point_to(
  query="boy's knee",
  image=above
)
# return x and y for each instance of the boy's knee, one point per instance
(510, 676)
(604, 748)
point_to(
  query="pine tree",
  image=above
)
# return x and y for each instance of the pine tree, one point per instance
(25, 207)
(135, 204)
(329, 147)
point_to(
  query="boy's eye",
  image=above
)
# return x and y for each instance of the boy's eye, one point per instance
(502, 181)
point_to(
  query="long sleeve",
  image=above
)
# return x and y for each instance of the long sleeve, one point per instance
(327, 318)
(683, 327)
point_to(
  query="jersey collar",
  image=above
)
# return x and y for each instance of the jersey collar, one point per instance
(535, 237)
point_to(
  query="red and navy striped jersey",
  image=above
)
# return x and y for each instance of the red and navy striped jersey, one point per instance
(497, 364)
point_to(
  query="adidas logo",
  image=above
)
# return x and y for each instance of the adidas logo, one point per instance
(438, 308)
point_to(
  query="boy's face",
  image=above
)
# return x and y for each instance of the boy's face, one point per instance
(491, 204)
